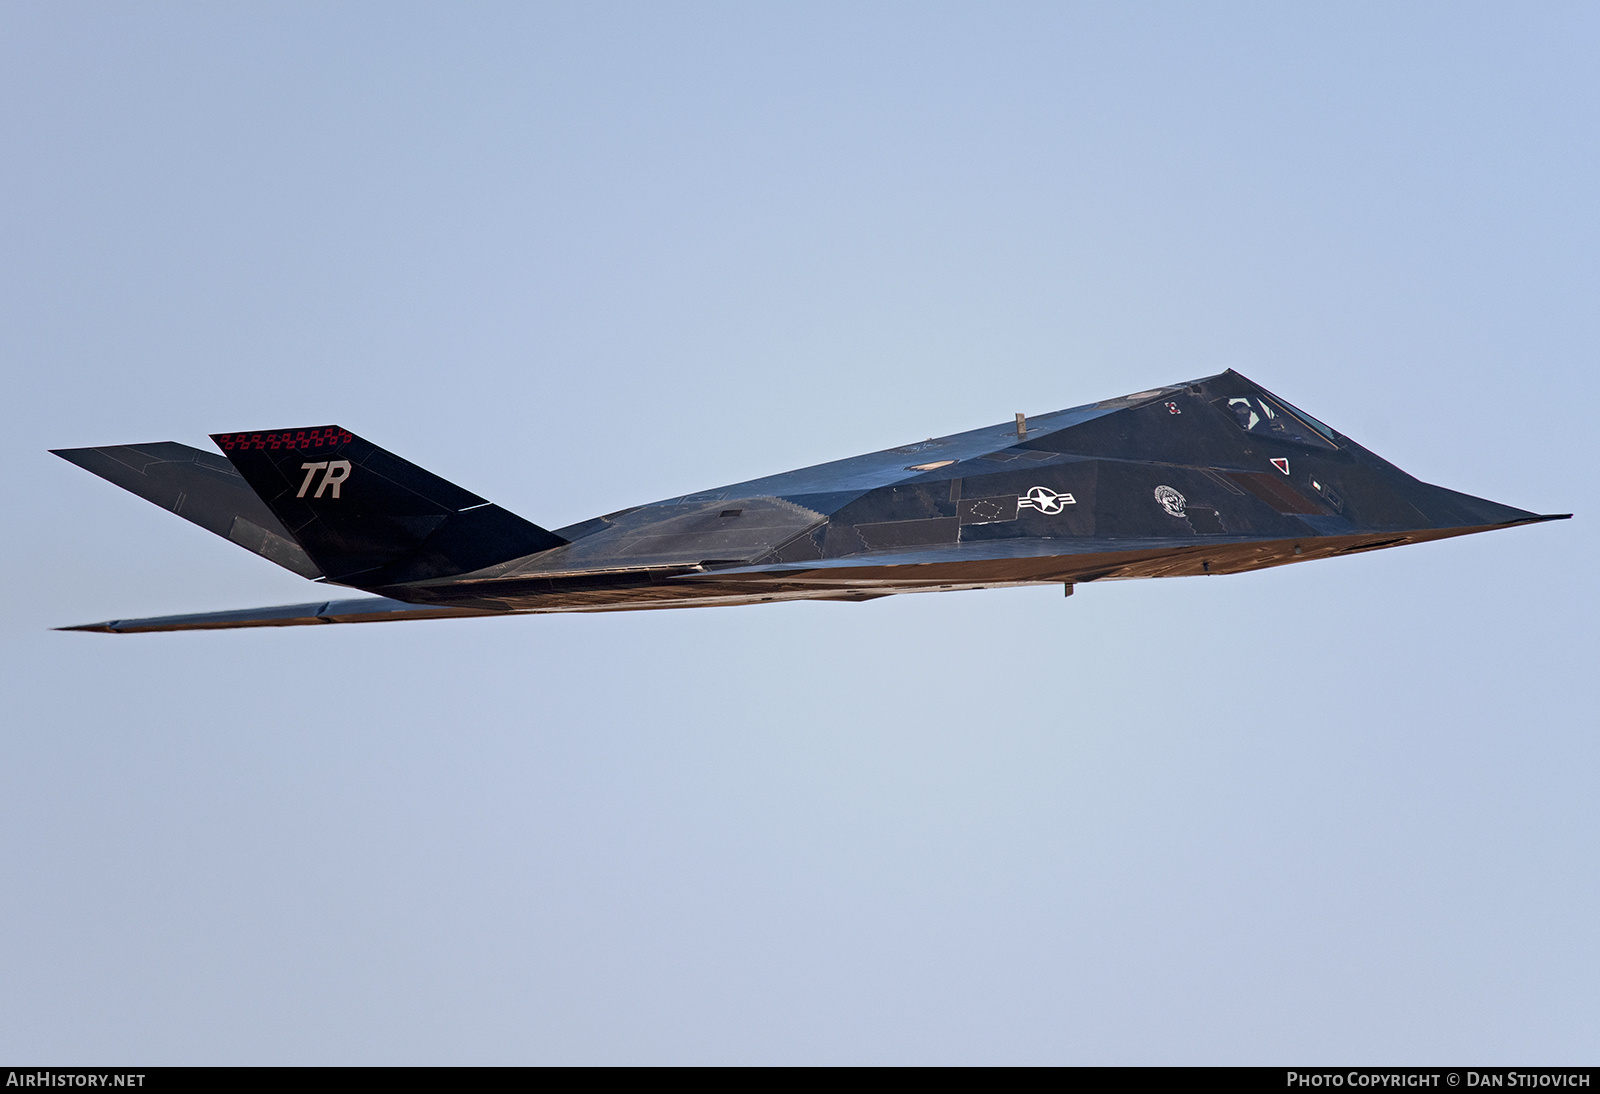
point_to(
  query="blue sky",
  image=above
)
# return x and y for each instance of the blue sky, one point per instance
(580, 257)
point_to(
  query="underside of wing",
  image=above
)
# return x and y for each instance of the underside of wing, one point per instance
(367, 609)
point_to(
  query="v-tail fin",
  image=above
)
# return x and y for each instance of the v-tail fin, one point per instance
(202, 488)
(370, 519)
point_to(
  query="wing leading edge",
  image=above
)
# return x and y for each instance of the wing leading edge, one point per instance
(366, 609)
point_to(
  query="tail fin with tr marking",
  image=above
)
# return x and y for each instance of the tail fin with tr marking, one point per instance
(369, 518)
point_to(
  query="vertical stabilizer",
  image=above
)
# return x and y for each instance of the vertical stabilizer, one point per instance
(369, 518)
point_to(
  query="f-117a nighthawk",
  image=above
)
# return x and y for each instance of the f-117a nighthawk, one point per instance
(1216, 476)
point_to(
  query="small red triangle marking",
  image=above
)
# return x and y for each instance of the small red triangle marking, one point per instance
(1281, 464)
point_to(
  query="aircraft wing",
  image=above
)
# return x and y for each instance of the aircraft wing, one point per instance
(366, 609)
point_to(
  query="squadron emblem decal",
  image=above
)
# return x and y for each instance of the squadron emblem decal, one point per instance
(1170, 500)
(1045, 500)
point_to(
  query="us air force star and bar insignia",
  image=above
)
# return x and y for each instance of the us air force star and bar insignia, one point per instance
(1045, 500)
(1008, 507)
(1170, 500)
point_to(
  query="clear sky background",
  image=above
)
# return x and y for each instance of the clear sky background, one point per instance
(577, 257)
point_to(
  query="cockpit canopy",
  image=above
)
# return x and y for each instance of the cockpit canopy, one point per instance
(1262, 416)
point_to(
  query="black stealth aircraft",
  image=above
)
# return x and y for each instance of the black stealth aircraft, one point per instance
(1216, 476)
